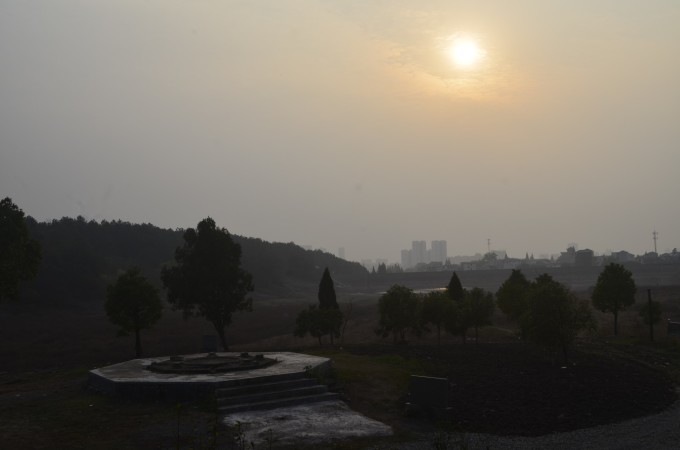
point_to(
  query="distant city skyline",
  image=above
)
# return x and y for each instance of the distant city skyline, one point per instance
(406, 260)
(345, 123)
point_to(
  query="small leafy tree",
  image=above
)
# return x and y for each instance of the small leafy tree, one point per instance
(457, 319)
(511, 296)
(614, 291)
(19, 254)
(327, 318)
(318, 322)
(436, 309)
(208, 280)
(555, 315)
(133, 304)
(347, 309)
(398, 309)
(308, 321)
(480, 309)
(651, 314)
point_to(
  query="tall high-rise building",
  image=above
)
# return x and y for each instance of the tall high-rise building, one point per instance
(439, 253)
(341, 253)
(418, 252)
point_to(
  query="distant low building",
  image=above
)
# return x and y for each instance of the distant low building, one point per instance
(584, 258)
(567, 258)
(622, 257)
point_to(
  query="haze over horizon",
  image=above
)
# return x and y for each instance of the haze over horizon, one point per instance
(363, 125)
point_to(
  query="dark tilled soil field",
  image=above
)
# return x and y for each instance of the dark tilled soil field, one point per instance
(517, 389)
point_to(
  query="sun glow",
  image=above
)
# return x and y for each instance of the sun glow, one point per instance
(465, 52)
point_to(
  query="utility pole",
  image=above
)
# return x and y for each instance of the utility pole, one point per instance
(649, 309)
(655, 236)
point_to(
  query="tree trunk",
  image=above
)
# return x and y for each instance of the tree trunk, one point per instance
(223, 339)
(616, 323)
(138, 344)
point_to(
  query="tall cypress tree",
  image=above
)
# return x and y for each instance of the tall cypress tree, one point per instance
(327, 299)
(455, 289)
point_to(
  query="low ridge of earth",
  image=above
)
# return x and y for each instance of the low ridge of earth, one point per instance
(518, 389)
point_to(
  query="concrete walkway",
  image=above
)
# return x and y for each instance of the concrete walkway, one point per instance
(305, 425)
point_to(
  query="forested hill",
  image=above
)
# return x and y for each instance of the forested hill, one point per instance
(81, 258)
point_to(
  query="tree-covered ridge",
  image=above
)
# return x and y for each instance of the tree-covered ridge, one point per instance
(80, 258)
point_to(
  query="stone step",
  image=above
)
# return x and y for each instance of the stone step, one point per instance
(278, 403)
(274, 378)
(272, 395)
(264, 387)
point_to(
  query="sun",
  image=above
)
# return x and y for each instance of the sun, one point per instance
(465, 52)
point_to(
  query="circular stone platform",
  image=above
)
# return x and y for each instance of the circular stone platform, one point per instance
(211, 363)
(132, 378)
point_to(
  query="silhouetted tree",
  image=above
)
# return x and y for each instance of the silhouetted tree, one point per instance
(555, 316)
(651, 314)
(309, 321)
(394, 268)
(455, 288)
(133, 304)
(327, 319)
(614, 291)
(398, 309)
(318, 322)
(511, 296)
(208, 280)
(455, 320)
(347, 309)
(19, 254)
(480, 309)
(327, 298)
(436, 310)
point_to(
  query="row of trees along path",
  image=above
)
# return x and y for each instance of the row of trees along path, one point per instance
(454, 310)
(546, 311)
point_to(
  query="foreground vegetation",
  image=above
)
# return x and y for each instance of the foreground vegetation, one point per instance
(612, 381)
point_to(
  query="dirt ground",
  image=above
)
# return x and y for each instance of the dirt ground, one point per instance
(499, 386)
(517, 389)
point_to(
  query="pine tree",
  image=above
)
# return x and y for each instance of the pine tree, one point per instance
(327, 298)
(455, 289)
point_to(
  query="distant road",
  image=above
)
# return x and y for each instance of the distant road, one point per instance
(577, 278)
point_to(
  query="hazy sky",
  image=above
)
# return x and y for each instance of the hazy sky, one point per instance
(345, 123)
